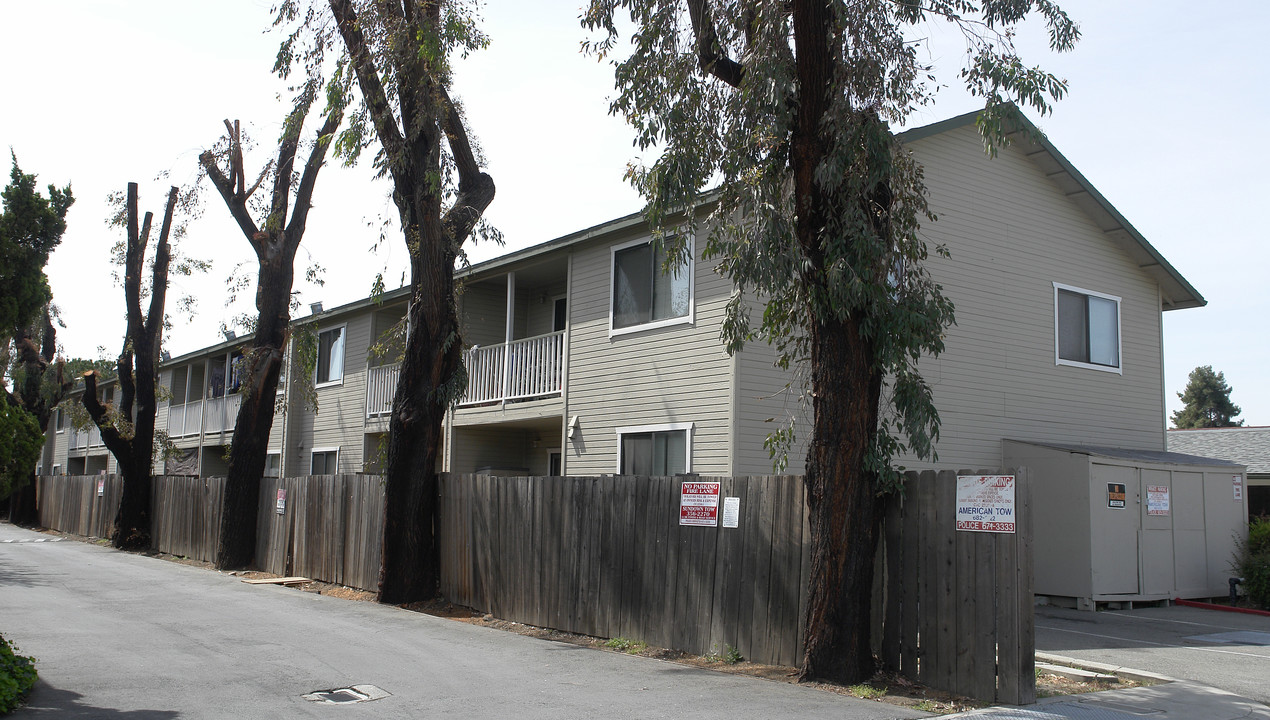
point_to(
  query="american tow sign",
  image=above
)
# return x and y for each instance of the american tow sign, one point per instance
(985, 503)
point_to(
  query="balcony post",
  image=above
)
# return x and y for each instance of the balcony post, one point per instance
(507, 336)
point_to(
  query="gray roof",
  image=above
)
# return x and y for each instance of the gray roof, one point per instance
(1245, 445)
(1151, 456)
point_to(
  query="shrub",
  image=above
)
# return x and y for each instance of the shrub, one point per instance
(1253, 562)
(17, 676)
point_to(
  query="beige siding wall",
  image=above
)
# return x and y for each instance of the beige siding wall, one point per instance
(764, 405)
(673, 374)
(1012, 234)
(341, 416)
(483, 312)
(535, 309)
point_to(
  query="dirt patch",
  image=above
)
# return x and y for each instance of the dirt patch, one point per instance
(1048, 685)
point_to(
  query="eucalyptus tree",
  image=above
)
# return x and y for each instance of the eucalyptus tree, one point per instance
(275, 241)
(399, 52)
(787, 105)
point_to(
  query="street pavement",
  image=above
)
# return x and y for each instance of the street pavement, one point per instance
(126, 637)
(1225, 650)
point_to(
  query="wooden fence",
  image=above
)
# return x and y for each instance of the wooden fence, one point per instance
(329, 529)
(954, 609)
(70, 503)
(606, 556)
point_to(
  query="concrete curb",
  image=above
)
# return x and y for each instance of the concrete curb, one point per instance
(1141, 676)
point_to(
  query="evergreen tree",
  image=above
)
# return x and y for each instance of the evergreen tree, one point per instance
(1207, 399)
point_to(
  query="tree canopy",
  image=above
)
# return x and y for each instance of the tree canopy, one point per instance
(1207, 402)
(31, 226)
(787, 107)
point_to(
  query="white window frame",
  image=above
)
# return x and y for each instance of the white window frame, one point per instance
(335, 449)
(687, 319)
(343, 356)
(1058, 360)
(279, 456)
(59, 422)
(663, 427)
(57, 469)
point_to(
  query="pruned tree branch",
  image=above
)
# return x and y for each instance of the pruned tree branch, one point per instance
(476, 188)
(372, 89)
(308, 180)
(710, 53)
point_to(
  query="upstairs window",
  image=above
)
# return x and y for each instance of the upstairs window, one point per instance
(645, 296)
(330, 356)
(1087, 328)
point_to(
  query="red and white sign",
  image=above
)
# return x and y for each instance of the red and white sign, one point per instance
(699, 504)
(1238, 482)
(101, 488)
(282, 502)
(985, 503)
(1157, 500)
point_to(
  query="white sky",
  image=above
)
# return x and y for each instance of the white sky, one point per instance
(1165, 118)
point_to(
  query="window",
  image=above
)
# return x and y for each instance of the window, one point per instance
(325, 461)
(1086, 328)
(60, 421)
(330, 359)
(644, 296)
(273, 465)
(656, 450)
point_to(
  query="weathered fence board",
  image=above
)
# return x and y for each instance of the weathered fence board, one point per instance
(965, 619)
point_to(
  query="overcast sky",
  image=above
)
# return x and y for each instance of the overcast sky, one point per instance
(1165, 117)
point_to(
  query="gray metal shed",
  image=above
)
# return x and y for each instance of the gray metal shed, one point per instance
(1117, 525)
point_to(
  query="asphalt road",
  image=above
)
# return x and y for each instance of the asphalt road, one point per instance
(125, 637)
(1226, 650)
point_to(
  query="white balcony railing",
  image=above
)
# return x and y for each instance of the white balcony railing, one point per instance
(89, 437)
(221, 413)
(185, 419)
(381, 385)
(532, 367)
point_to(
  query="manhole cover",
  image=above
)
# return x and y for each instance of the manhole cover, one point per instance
(346, 695)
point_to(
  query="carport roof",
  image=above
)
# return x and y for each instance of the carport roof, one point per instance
(1152, 456)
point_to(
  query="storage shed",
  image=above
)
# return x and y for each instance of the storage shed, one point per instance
(1117, 525)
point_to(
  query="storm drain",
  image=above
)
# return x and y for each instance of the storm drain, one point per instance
(346, 695)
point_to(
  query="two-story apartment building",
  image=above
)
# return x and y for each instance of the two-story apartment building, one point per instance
(584, 359)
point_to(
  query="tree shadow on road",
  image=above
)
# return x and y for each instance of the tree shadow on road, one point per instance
(22, 576)
(48, 701)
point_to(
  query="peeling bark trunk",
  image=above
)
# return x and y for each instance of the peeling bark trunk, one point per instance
(842, 505)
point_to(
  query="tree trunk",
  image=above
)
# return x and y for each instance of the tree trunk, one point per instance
(132, 522)
(841, 499)
(22, 507)
(411, 565)
(250, 448)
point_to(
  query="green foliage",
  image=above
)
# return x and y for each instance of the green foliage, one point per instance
(31, 226)
(17, 676)
(306, 351)
(866, 691)
(1252, 562)
(720, 98)
(1207, 401)
(731, 655)
(20, 444)
(626, 645)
